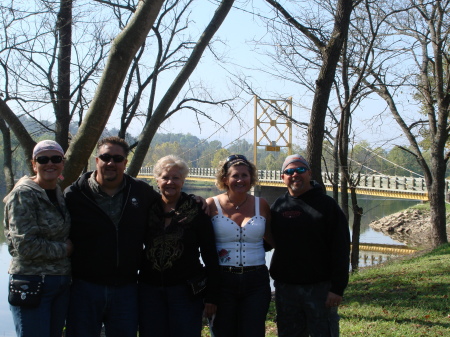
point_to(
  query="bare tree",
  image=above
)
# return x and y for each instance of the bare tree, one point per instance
(164, 110)
(422, 30)
(37, 64)
(7, 156)
(330, 49)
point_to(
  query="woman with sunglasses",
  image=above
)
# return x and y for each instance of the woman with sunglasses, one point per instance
(241, 222)
(37, 227)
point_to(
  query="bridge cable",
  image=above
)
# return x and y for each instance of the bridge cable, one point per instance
(221, 127)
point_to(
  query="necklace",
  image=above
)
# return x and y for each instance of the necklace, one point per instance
(238, 206)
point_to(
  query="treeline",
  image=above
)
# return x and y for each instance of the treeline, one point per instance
(203, 153)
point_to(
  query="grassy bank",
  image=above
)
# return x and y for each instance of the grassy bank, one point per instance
(408, 297)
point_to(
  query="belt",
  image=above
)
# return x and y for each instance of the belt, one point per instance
(241, 270)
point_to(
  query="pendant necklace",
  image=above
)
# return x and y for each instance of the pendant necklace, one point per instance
(238, 206)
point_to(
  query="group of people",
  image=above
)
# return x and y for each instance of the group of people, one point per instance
(111, 251)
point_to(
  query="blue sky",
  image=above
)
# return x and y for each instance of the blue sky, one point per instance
(237, 34)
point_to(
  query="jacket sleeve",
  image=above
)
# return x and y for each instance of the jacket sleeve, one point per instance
(26, 238)
(340, 250)
(209, 256)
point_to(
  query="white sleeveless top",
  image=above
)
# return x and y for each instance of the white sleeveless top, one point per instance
(239, 246)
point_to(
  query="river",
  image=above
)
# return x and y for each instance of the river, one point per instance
(374, 208)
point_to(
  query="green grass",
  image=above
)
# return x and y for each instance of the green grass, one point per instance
(407, 297)
(401, 298)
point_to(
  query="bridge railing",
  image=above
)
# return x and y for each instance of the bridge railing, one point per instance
(407, 186)
(386, 182)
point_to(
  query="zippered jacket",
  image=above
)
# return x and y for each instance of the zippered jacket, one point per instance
(103, 252)
(312, 240)
(36, 230)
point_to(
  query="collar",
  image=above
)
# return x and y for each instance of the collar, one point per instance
(96, 187)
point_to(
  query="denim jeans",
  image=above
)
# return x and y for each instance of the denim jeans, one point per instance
(301, 310)
(92, 305)
(169, 311)
(243, 304)
(49, 317)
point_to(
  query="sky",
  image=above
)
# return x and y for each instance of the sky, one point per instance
(237, 34)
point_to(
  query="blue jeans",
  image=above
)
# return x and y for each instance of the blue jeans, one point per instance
(169, 311)
(301, 310)
(243, 304)
(92, 305)
(49, 317)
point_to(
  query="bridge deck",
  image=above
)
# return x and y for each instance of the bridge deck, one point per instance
(376, 185)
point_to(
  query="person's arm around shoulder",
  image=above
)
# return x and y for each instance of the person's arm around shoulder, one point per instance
(212, 209)
(265, 212)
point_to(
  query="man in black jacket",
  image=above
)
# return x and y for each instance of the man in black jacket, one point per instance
(310, 263)
(109, 216)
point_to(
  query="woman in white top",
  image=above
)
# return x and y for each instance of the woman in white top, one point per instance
(241, 222)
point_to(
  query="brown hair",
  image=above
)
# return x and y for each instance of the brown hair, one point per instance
(115, 141)
(224, 167)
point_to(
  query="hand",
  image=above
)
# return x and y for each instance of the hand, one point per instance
(198, 200)
(333, 300)
(69, 247)
(210, 310)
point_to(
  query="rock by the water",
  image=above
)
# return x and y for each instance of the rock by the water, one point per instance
(410, 227)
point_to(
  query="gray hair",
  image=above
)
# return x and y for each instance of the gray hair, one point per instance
(167, 162)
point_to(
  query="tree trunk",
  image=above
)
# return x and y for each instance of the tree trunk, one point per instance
(324, 84)
(20, 132)
(436, 193)
(356, 230)
(62, 113)
(159, 114)
(123, 49)
(7, 156)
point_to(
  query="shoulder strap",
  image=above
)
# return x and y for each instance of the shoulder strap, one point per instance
(219, 208)
(256, 206)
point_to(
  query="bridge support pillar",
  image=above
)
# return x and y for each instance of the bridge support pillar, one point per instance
(256, 191)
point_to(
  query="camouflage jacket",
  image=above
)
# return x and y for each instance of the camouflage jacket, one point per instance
(36, 230)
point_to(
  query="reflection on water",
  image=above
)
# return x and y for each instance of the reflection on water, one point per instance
(374, 208)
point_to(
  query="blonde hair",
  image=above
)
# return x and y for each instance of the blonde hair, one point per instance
(223, 168)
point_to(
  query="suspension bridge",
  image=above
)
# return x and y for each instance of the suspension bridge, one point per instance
(369, 184)
(272, 129)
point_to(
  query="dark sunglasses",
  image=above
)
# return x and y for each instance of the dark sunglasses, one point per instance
(299, 170)
(117, 158)
(236, 156)
(46, 159)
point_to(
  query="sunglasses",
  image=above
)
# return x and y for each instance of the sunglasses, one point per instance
(117, 158)
(233, 159)
(46, 159)
(299, 170)
(236, 156)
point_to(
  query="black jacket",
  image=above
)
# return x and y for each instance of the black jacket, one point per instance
(172, 253)
(102, 253)
(312, 240)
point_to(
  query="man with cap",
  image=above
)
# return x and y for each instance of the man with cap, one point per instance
(310, 263)
(109, 211)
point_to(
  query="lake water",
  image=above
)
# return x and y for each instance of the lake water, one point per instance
(374, 208)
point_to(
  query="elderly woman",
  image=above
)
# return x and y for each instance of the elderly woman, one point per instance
(240, 222)
(171, 277)
(37, 227)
